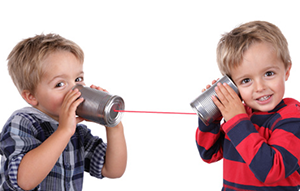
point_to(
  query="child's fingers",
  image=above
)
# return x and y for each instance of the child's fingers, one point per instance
(77, 102)
(231, 91)
(217, 102)
(72, 97)
(222, 93)
(208, 86)
(228, 101)
(214, 81)
(98, 88)
(228, 92)
(79, 119)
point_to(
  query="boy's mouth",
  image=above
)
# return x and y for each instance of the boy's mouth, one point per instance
(264, 98)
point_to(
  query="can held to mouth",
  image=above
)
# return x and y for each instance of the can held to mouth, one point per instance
(99, 106)
(204, 105)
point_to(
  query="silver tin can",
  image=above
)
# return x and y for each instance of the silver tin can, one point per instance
(99, 106)
(204, 105)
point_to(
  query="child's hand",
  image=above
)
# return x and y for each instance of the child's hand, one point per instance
(67, 115)
(208, 86)
(98, 88)
(229, 103)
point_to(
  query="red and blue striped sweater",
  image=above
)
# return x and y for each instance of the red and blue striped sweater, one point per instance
(260, 150)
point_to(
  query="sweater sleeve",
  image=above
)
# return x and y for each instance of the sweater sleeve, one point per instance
(209, 140)
(271, 153)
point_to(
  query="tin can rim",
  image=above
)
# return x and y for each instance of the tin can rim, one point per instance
(109, 107)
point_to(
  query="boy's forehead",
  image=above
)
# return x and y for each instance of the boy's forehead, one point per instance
(59, 58)
(259, 51)
(59, 63)
(258, 58)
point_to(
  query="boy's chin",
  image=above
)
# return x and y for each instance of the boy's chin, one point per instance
(264, 108)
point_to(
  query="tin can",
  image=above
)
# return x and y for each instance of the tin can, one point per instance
(204, 105)
(99, 106)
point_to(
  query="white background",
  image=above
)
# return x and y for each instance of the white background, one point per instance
(157, 55)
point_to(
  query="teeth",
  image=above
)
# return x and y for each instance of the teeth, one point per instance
(264, 98)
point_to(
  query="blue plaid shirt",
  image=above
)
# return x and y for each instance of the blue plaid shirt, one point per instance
(26, 129)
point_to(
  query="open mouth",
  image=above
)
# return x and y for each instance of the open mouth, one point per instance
(264, 98)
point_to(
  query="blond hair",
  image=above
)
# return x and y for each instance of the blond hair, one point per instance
(232, 45)
(24, 61)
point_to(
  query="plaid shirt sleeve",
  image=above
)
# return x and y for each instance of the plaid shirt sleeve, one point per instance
(26, 131)
(95, 150)
(17, 138)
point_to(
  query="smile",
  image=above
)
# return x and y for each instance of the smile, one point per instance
(264, 98)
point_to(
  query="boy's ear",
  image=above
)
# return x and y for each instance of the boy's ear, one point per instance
(288, 71)
(29, 98)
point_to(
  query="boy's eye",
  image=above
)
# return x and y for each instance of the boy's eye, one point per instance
(269, 73)
(80, 79)
(247, 80)
(60, 84)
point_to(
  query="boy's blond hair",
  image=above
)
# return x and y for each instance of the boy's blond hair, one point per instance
(24, 61)
(232, 45)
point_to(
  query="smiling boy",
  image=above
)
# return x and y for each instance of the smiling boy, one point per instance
(44, 147)
(260, 137)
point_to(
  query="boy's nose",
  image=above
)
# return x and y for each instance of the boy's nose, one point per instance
(74, 84)
(259, 85)
(71, 86)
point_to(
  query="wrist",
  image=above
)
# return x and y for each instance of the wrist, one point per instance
(112, 132)
(119, 126)
(234, 121)
(64, 132)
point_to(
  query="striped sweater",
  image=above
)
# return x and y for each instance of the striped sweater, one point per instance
(260, 150)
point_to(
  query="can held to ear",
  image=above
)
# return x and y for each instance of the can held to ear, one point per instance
(99, 106)
(204, 105)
